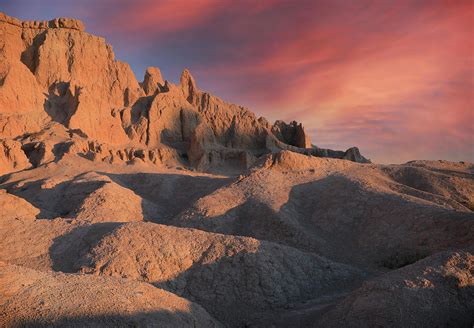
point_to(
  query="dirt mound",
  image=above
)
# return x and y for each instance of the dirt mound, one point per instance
(168, 192)
(232, 277)
(16, 208)
(351, 212)
(330, 211)
(90, 197)
(32, 298)
(107, 202)
(435, 292)
(96, 191)
(448, 182)
(444, 166)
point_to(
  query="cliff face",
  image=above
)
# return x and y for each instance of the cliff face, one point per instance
(53, 71)
(53, 75)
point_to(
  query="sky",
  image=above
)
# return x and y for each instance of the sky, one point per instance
(394, 78)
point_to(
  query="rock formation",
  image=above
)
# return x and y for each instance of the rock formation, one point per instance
(12, 157)
(74, 80)
(292, 134)
(152, 82)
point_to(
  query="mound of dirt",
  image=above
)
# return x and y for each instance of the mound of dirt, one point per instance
(349, 212)
(449, 181)
(232, 277)
(31, 298)
(435, 292)
(108, 201)
(308, 216)
(89, 197)
(16, 207)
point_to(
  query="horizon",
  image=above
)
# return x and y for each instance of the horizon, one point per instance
(394, 79)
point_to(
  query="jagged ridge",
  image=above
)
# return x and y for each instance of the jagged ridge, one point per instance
(69, 78)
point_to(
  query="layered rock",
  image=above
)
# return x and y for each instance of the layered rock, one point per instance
(292, 134)
(61, 22)
(74, 80)
(12, 157)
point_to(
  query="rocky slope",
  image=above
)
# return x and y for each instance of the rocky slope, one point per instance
(357, 213)
(234, 278)
(40, 299)
(435, 292)
(150, 204)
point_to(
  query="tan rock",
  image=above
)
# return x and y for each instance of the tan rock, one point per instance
(188, 87)
(14, 207)
(62, 53)
(12, 157)
(152, 81)
(68, 23)
(73, 79)
(167, 117)
(292, 134)
(74, 24)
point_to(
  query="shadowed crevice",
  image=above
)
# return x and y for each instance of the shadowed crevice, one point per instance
(161, 190)
(29, 57)
(62, 101)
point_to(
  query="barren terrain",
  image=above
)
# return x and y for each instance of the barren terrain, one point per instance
(150, 204)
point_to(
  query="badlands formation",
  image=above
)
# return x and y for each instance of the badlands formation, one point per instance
(150, 204)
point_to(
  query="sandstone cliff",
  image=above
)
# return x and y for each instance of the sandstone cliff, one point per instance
(54, 75)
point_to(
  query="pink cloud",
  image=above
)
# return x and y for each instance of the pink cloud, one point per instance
(392, 77)
(402, 92)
